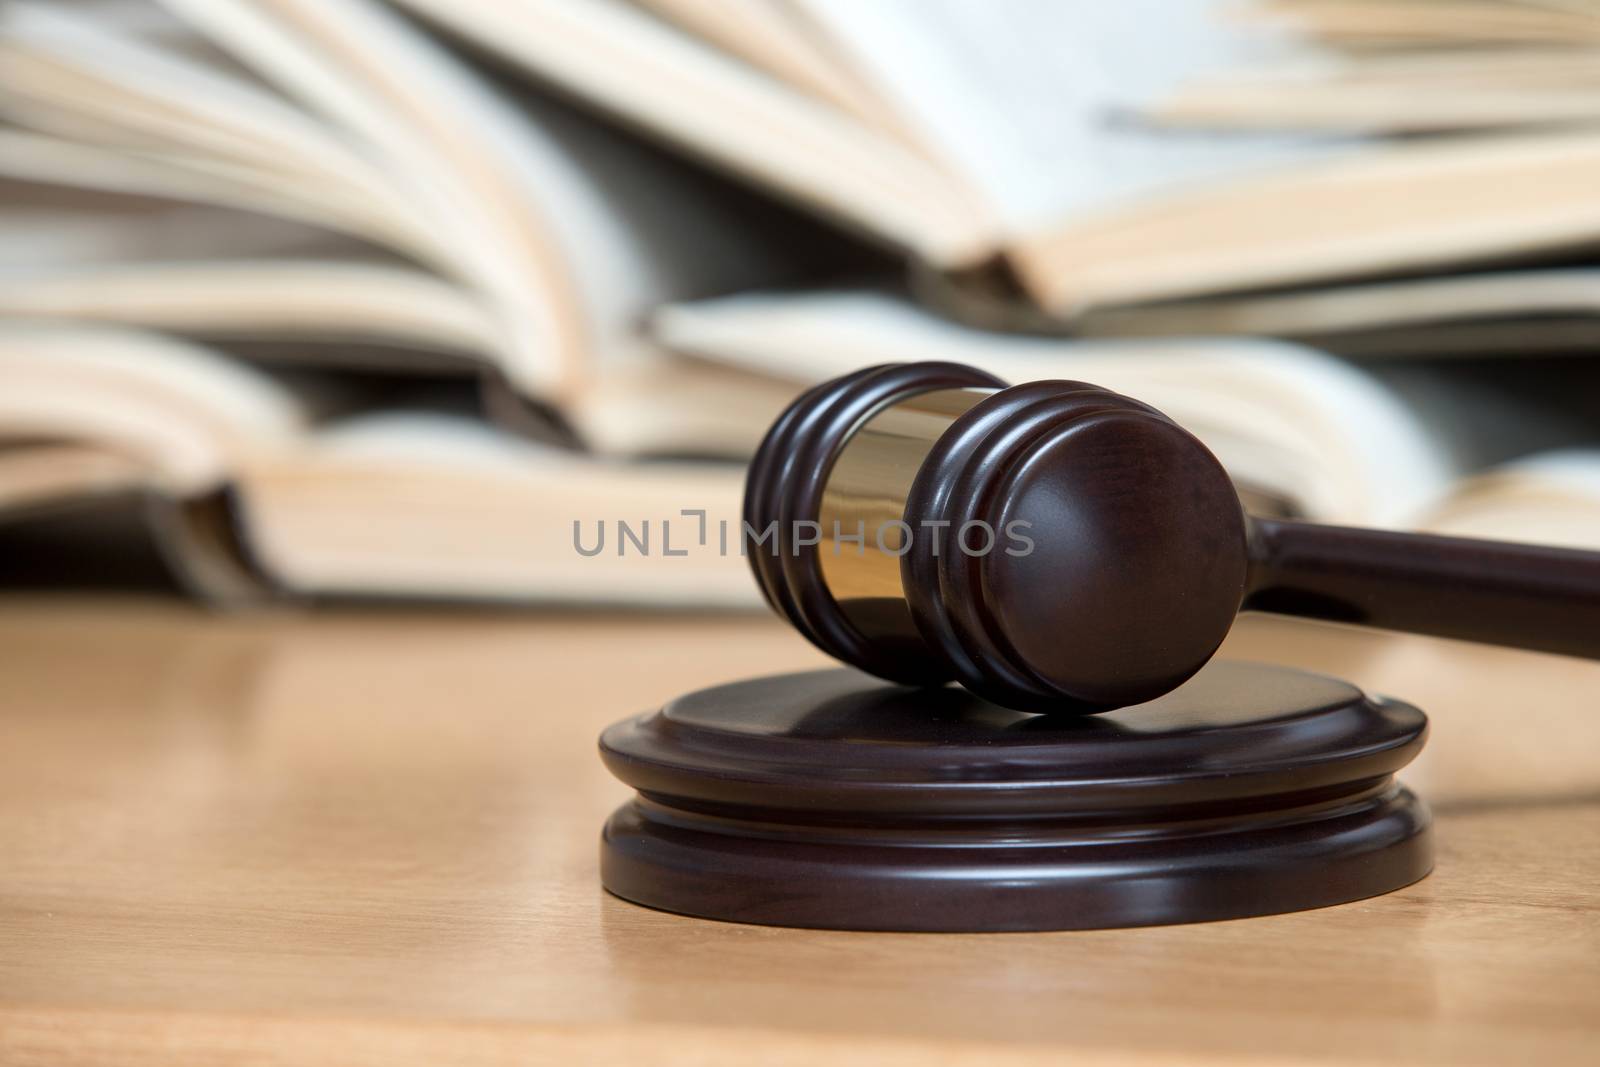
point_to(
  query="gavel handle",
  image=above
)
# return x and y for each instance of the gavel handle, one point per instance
(1524, 596)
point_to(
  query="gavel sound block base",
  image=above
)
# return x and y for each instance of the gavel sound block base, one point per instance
(831, 799)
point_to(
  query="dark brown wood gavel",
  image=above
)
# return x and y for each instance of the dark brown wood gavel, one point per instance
(1056, 546)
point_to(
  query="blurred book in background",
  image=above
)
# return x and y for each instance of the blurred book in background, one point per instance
(411, 297)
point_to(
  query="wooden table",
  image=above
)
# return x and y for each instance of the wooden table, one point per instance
(370, 837)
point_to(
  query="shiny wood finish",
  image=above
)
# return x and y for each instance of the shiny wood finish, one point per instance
(1522, 596)
(370, 838)
(832, 799)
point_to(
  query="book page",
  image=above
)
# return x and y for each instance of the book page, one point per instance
(1562, 292)
(68, 163)
(539, 217)
(1551, 498)
(69, 76)
(469, 511)
(34, 475)
(620, 59)
(456, 153)
(187, 414)
(1496, 85)
(1037, 102)
(766, 34)
(311, 299)
(553, 223)
(1408, 206)
(47, 229)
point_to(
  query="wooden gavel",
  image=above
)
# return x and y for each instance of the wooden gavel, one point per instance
(1059, 547)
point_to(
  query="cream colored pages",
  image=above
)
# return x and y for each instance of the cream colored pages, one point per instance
(1376, 24)
(1496, 85)
(280, 298)
(660, 406)
(73, 77)
(1550, 293)
(1400, 207)
(688, 406)
(556, 226)
(1037, 104)
(554, 207)
(37, 475)
(1552, 498)
(66, 230)
(467, 512)
(390, 505)
(1104, 204)
(721, 109)
(75, 164)
(769, 35)
(185, 414)
(528, 211)
(1287, 421)
(456, 153)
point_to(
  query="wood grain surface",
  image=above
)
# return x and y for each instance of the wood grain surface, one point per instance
(369, 837)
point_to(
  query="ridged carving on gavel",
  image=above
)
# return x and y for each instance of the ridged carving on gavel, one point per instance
(1114, 550)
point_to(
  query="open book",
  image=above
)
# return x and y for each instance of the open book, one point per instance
(339, 182)
(1106, 170)
(250, 496)
(418, 206)
(1110, 167)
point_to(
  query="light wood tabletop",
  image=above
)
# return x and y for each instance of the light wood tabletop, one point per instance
(370, 837)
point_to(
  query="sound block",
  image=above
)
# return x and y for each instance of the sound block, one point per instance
(832, 799)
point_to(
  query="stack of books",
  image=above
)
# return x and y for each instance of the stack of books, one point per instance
(421, 297)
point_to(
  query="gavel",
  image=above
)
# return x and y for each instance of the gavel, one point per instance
(1058, 547)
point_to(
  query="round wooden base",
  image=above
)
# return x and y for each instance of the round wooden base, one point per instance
(831, 799)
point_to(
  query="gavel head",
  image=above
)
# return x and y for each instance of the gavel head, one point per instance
(1053, 546)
